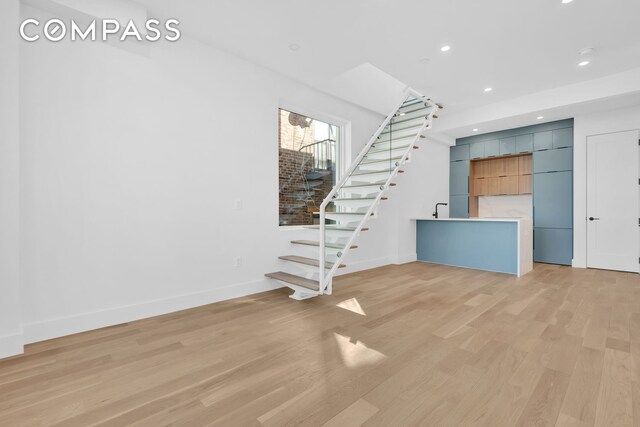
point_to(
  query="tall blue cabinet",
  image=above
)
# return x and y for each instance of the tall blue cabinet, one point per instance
(552, 148)
(459, 182)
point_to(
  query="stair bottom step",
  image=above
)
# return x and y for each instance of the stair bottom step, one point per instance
(303, 282)
(308, 261)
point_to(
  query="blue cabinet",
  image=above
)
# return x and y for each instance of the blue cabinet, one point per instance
(524, 143)
(459, 206)
(553, 160)
(563, 138)
(553, 200)
(553, 245)
(459, 152)
(507, 146)
(476, 150)
(552, 187)
(459, 177)
(543, 141)
(492, 148)
(483, 245)
(553, 205)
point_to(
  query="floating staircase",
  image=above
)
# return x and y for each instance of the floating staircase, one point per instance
(355, 199)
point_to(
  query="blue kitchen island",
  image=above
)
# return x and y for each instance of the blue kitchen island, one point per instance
(494, 244)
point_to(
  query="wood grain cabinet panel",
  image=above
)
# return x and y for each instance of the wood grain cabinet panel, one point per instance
(479, 169)
(510, 166)
(509, 185)
(524, 184)
(524, 165)
(494, 168)
(492, 186)
(500, 176)
(479, 187)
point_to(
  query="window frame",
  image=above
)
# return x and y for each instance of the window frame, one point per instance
(343, 151)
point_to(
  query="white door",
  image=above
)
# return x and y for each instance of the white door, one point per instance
(612, 201)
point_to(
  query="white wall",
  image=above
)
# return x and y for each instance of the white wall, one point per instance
(132, 165)
(425, 183)
(606, 121)
(10, 323)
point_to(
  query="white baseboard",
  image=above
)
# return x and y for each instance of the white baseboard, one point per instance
(58, 327)
(53, 328)
(11, 345)
(403, 259)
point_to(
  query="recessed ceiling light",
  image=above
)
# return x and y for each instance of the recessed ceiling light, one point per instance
(475, 130)
(540, 117)
(585, 51)
(488, 89)
(294, 47)
(566, 1)
(584, 63)
(446, 48)
(425, 60)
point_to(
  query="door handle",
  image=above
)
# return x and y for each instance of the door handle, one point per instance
(593, 219)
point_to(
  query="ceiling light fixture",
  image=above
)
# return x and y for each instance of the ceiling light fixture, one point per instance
(446, 48)
(566, 1)
(294, 47)
(488, 89)
(585, 51)
(540, 117)
(584, 63)
(475, 129)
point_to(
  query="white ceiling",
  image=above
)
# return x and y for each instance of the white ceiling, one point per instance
(517, 47)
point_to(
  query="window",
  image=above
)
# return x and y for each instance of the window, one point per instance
(308, 164)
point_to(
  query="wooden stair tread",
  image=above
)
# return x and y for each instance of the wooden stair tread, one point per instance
(303, 282)
(314, 243)
(368, 162)
(308, 261)
(342, 213)
(355, 199)
(399, 147)
(399, 129)
(349, 199)
(391, 141)
(376, 172)
(373, 184)
(331, 227)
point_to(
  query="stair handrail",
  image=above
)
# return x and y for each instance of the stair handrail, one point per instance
(316, 143)
(324, 281)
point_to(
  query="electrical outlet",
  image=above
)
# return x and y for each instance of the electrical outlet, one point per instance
(238, 261)
(238, 204)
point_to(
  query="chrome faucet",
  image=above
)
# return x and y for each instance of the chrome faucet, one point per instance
(435, 214)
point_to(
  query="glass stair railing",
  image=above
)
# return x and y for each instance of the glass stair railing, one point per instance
(356, 197)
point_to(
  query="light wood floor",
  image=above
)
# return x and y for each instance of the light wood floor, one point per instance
(417, 344)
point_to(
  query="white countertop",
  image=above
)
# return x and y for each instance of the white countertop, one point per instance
(430, 218)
